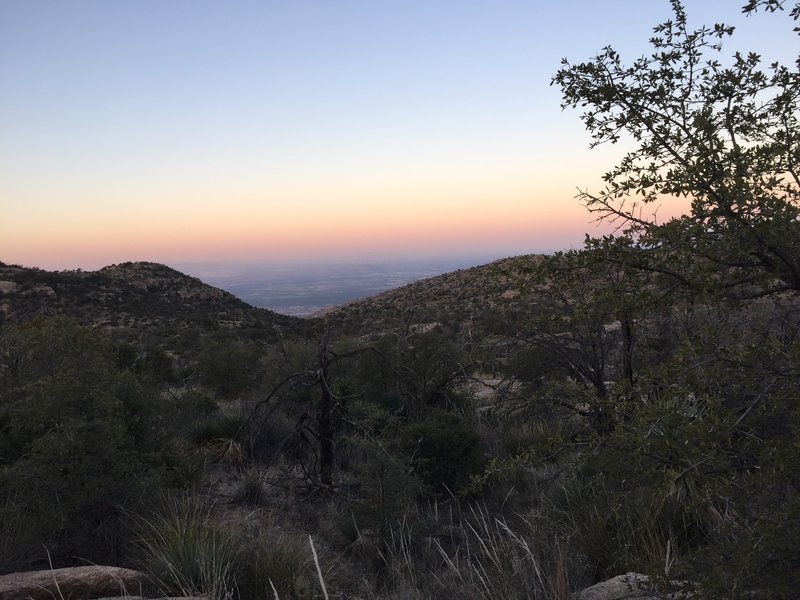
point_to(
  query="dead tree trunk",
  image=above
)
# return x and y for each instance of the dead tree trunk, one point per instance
(327, 418)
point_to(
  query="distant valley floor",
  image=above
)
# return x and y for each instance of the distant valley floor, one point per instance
(303, 289)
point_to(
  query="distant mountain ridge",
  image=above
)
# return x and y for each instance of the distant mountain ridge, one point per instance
(147, 296)
(133, 295)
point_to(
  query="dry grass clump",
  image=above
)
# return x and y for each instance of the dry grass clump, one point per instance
(450, 551)
(186, 551)
(500, 561)
(224, 435)
(191, 548)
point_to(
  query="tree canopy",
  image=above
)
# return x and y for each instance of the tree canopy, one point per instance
(721, 132)
(707, 432)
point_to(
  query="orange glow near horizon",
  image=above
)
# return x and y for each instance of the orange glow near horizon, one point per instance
(450, 213)
(368, 129)
(489, 214)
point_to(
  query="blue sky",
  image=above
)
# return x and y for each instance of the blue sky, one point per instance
(195, 130)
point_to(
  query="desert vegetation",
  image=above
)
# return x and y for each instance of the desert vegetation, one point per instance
(522, 429)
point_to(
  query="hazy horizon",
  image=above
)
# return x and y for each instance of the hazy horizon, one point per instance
(223, 267)
(301, 288)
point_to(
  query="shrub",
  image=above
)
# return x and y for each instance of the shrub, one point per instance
(444, 451)
(224, 434)
(78, 438)
(190, 549)
(388, 489)
(229, 368)
(251, 489)
(280, 563)
(499, 561)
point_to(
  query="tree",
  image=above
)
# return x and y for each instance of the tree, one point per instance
(725, 135)
(706, 437)
(80, 437)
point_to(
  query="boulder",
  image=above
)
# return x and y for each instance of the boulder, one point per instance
(621, 587)
(510, 294)
(72, 583)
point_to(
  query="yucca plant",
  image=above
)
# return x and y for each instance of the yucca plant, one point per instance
(186, 551)
(224, 434)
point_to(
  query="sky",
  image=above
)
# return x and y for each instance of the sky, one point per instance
(190, 130)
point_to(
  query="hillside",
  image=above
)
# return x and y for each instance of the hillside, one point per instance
(464, 298)
(140, 296)
(570, 414)
(137, 295)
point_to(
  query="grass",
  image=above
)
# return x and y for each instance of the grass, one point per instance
(499, 562)
(224, 434)
(190, 548)
(251, 489)
(471, 554)
(186, 550)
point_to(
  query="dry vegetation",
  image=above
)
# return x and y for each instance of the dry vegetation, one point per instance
(476, 458)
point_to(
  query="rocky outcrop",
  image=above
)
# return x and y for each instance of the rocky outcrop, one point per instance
(72, 583)
(8, 287)
(621, 587)
(510, 294)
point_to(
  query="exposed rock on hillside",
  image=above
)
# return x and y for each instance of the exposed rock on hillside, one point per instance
(139, 295)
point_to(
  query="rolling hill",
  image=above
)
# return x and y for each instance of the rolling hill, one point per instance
(137, 296)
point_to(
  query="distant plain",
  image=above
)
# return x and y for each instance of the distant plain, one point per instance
(301, 289)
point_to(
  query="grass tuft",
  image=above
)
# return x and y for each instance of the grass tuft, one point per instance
(187, 552)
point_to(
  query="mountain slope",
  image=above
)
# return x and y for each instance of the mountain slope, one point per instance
(458, 298)
(135, 295)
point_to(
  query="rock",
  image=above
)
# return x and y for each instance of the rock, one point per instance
(510, 294)
(621, 587)
(72, 583)
(164, 598)
(8, 287)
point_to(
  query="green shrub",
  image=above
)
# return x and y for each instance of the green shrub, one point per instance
(79, 437)
(271, 434)
(229, 367)
(388, 489)
(279, 563)
(499, 560)
(444, 451)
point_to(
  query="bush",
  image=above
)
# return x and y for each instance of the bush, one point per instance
(224, 434)
(190, 549)
(388, 489)
(229, 368)
(251, 489)
(78, 438)
(444, 451)
(279, 564)
(499, 560)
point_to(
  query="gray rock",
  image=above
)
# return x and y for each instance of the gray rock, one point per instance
(621, 587)
(72, 583)
(160, 598)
